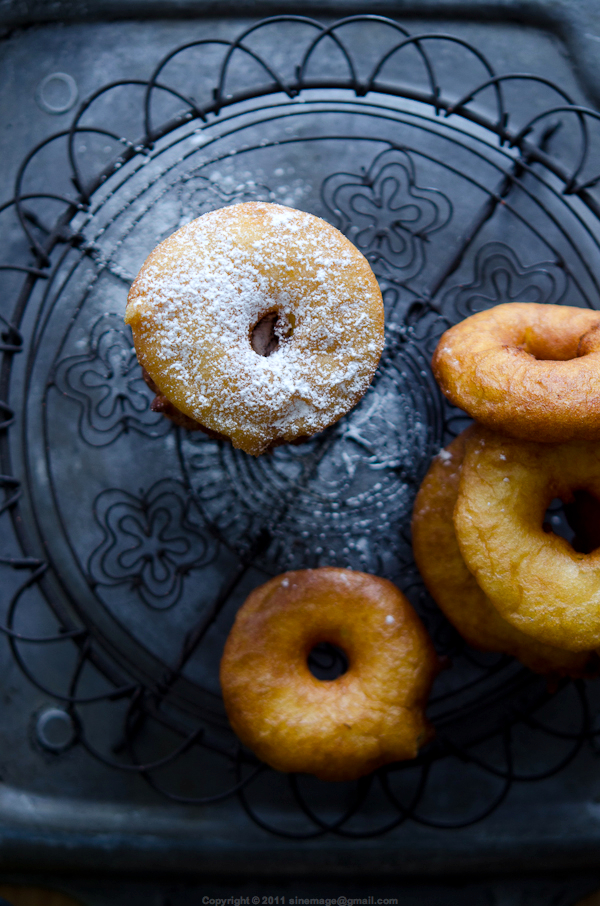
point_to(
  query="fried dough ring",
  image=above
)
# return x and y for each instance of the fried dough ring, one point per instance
(455, 589)
(336, 729)
(526, 369)
(535, 579)
(205, 302)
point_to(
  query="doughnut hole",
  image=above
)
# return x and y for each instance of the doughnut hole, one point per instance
(576, 520)
(550, 346)
(272, 328)
(589, 342)
(556, 520)
(263, 338)
(327, 661)
(583, 517)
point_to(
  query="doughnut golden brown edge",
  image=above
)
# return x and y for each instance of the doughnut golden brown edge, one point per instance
(201, 294)
(335, 729)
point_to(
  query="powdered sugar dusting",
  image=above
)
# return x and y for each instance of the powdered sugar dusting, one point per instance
(199, 295)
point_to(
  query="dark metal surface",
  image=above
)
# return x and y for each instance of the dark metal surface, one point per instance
(577, 23)
(463, 189)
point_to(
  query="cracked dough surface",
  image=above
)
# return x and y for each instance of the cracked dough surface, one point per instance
(535, 579)
(527, 369)
(455, 589)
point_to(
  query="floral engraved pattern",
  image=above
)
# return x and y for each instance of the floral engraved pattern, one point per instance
(386, 214)
(500, 277)
(108, 386)
(151, 542)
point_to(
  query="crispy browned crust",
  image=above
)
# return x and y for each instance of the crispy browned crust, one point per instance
(455, 589)
(528, 370)
(161, 404)
(343, 728)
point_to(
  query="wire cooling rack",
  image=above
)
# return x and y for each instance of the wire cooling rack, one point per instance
(139, 541)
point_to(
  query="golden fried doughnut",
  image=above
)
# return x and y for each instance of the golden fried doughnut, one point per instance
(259, 322)
(455, 589)
(529, 370)
(336, 729)
(534, 578)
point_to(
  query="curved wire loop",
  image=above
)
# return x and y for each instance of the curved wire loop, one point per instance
(235, 45)
(131, 147)
(40, 251)
(15, 638)
(417, 41)
(148, 130)
(438, 824)
(7, 416)
(10, 484)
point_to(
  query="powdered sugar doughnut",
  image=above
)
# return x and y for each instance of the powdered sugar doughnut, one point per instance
(261, 323)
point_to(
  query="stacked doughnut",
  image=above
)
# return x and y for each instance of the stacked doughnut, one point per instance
(530, 376)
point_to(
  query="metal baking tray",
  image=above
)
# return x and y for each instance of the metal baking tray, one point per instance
(451, 145)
